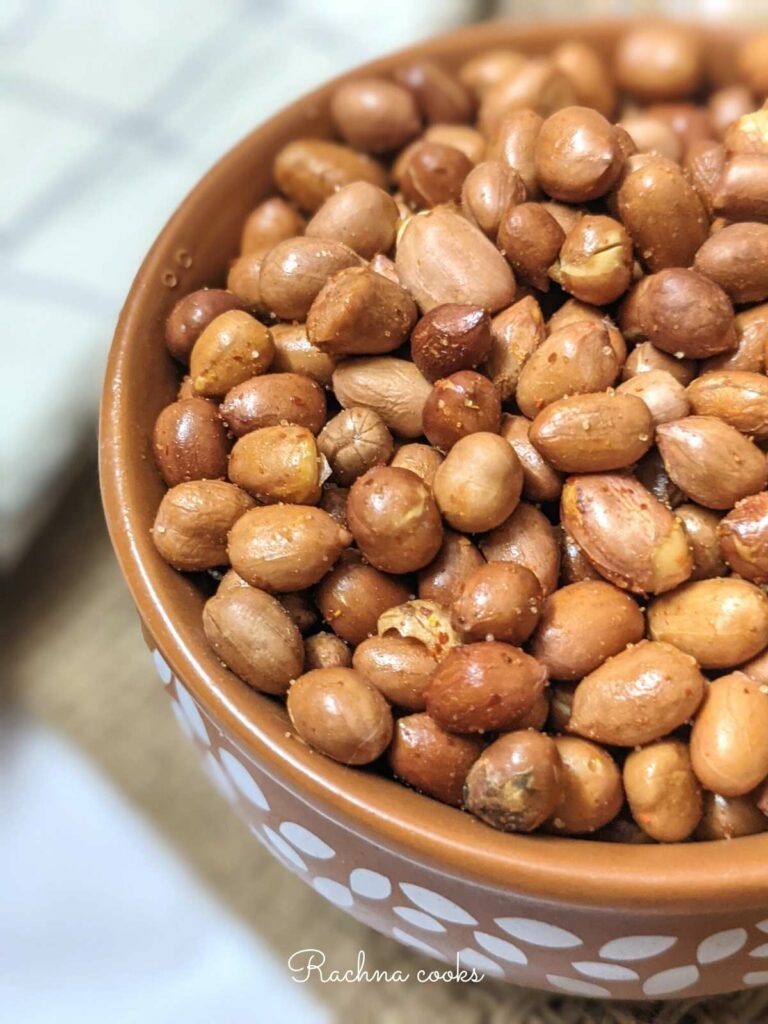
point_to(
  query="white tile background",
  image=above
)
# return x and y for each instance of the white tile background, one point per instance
(109, 113)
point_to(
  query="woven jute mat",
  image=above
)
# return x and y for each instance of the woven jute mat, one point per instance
(78, 663)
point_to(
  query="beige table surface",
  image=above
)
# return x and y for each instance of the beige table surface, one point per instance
(77, 663)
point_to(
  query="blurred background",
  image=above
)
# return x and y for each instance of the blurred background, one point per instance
(130, 892)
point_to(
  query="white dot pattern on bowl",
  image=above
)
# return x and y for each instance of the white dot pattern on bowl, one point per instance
(721, 945)
(577, 987)
(605, 972)
(637, 947)
(306, 841)
(418, 919)
(285, 849)
(162, 667)
(371, 884)
(538, 933)
(333, 891)
(243, 781)
(501, 948)
(434, 903)
(192, 714)
(472, 958)
(369, 895)
(417, 944)
(219, 778)
(673, 980)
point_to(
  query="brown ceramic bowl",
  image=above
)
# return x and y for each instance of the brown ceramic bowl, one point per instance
(576, 916)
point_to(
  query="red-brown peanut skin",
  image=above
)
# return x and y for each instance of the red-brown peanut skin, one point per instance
(729, 741)
(273, 399)
(730, 817)
(255, 637)
(193, 521)
(743, 535)
(540, 481)
(651, 557)
(449, 338)
(484, 687)
(500, 600)
(432, 760)
(190, 442)
(478, 485)
(663, 793)
(515, 784)
(592, 792)
(563, 645)
(526, 537)
(462, 404)
(736, 258)
(192, 314)
(443, 578)
(400, 667)
(308, 171)
(711, 461)
(577, 156)
(720, 622)
(394, 519)
(353, 595)
(637, 696)
(737, 397)
(594, 432)
(337, 711)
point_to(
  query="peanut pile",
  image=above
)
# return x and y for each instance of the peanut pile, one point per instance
(473, 444)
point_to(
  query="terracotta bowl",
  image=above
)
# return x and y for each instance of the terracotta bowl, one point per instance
(569, 915)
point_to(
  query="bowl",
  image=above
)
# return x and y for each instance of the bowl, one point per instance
(569, 915)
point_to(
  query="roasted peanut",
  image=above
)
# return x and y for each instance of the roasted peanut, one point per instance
(189, 442)
(277, 464)
(720, 622)
(440, 96)
(595, 260)
(285, 547)
(326, 650)
(588, 74)
(530, 238)
(658, 62)
(272, 400)
(443, 579)
(638, 696)
(540, 481)
(515, 784)
(576, 359)
(294, 272)
(337, 711)
(569, 651)
(272, 221)
(353, 595)
(731, 817)
(737, 397)
(308, 171)
(593, 432)
(488, 190)
(393, 388)
(479, 484)
(663, 794)
(513, 142)
(193, 520)
(295, 353)
(651, 557)
(421, 459)
(400, 667)
(190, 317)
(254, 636)
(538, 84)
(450, 338)
(484, 687)
(501, 600)
(353, 442)
(591, 783)
(743, 536)
(459, 405)
(701, 528)
(515, 334)
(645, 357)
(425, 621)
(441, 258)
(736, 258)
(433, 173)
(394, 519)
(664, 395)
(577, 156)
(361, 216)
(375, 115)
(231, 349)
(433, 761)
(711, 461)
(528, 538)
(729, 740)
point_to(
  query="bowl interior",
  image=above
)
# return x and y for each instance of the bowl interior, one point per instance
(194, 250)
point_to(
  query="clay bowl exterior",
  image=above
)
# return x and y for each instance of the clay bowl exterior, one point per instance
(569, 915)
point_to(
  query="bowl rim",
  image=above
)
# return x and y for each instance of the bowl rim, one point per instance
(702, 877)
